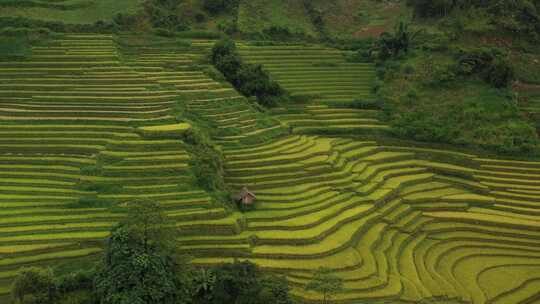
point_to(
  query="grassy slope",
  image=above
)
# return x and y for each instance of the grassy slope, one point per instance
(448, 95)
(360, 18)
(257, 15)
(99, 10)
(469, 111)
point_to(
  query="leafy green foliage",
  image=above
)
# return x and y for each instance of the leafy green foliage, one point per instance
(490, 121)
(392, 45)
(78, 280)
(491, 64)
(140, 264)
(34, 285)
(241, 283)
(316, 17)
(204, 282)
(14, 47)
(249, 79)
(325, 283)
(165, 14)
(275, 289)
(206, 162)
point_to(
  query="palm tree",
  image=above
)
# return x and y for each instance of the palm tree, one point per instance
(204, 283)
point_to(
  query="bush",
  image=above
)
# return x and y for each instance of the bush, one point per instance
(229, 27)
(206, 161)
(397, 43)
(244, 283)
(489, 63)
(14, 47)
(165, 14)
(126, 22)
(276, 32)
(91, 202)
(517, 137)
(100, 187)
(78, 280)
(34, 286)
(499, 73)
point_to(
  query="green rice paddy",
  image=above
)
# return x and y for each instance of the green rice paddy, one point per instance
(396, 223)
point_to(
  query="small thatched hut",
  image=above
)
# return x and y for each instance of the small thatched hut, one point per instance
(245, 197)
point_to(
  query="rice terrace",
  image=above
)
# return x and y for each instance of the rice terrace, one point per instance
(261, 152)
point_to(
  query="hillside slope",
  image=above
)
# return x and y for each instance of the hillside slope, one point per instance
(395, 222)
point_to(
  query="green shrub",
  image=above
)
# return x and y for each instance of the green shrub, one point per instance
(206, 161)
(276, 32)
(34, 286)
(165, 14)
(316, 16)
(228, 27)
(92, 170)
(92, 202)
(78, 280)
(14, 47)
(127, 22)
(397, 43)
(100, 187)
(489, 63)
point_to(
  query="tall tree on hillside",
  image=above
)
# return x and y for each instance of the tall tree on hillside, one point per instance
(140, 264)
(400, 41)
(34, 285)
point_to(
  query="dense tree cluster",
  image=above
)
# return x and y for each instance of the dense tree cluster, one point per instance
(241, 283)
(141, 266)
(249, 79)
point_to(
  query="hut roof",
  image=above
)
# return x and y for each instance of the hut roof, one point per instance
(244, 193)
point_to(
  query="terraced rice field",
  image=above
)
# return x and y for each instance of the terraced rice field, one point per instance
(68, 138)
(325, 77)
(396, 223)
(313, 70)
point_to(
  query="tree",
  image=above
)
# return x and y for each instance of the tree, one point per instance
(275, 289)
(34, 285)
(237, 283)
(393, 44)
(325, 283)
(165, 14)
(249, 79)
(252, 80)
(140, 264)
(204, 282)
